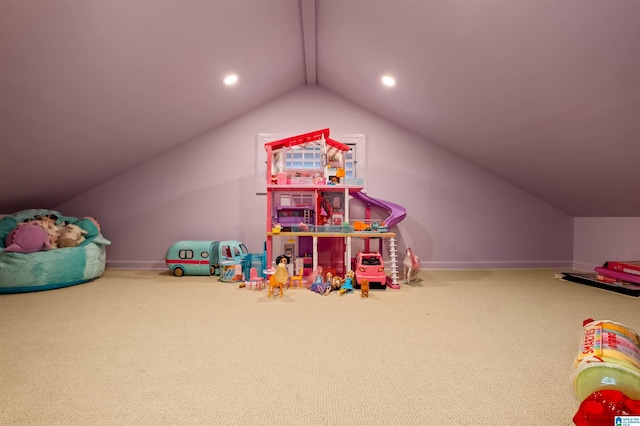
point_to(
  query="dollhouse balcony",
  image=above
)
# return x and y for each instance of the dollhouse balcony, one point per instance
(333, 229)
(348, 181)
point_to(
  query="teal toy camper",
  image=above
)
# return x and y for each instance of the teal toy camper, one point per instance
(204, 257)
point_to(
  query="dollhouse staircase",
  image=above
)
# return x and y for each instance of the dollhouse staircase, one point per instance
(393, 258)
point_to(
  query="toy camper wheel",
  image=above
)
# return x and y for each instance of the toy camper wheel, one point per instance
(178, 272)
(212, 270)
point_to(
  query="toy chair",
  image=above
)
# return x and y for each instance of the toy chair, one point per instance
(254, 278)
(275, 283)
(296, 278)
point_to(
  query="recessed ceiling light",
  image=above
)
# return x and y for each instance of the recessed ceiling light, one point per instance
(230, 79)
(389, 81)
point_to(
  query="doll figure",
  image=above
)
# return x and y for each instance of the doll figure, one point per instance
(347, 286)
(337, 283)
(282, 273)
(327, 282)
(318, 285)
(333, 283)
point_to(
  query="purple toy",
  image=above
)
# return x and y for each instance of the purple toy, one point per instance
(28, 237)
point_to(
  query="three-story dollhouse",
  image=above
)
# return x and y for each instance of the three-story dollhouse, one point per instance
(308, 194)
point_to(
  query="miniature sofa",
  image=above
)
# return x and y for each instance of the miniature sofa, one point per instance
(55, 268)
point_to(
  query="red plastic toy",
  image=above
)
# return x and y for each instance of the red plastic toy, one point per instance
(600, 408)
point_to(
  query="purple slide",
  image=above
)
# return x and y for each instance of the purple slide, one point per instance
(397, 212)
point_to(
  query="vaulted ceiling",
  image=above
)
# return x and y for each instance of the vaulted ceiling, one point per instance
(544, 94)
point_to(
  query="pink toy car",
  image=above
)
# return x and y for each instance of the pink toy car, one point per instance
(369, 266)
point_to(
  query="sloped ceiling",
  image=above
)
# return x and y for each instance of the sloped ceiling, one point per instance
(544, 94)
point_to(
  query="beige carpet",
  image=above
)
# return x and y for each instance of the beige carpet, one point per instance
(145, 348)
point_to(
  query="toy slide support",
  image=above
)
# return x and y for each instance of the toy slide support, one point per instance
(392, 284)
(396, 214)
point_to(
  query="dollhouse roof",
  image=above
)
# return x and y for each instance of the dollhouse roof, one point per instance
(305, 138)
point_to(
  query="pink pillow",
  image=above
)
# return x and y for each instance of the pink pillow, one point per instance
(27, 237)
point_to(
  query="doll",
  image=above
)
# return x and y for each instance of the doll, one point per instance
(333, 283)
(282, 273)
(318, 285)
(348, 283)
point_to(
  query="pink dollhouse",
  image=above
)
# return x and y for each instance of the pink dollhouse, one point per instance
(308, 196)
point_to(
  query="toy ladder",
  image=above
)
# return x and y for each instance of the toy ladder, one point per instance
(393, 257)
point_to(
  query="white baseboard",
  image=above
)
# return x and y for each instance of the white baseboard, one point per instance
(524, 264)
(142, 265)
(509, 264)
(583, 266)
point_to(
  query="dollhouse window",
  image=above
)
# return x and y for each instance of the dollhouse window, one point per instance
(355, 159)
(350, 161)
(296, 199)
(309, 158)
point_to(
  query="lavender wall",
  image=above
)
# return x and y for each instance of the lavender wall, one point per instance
(598, 239)
(459, 216)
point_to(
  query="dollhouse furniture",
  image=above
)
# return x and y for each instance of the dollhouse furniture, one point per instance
(54, 268)
(255, 279)
(273, 283)
(308, 201)
(296, 278)
(288, 216)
